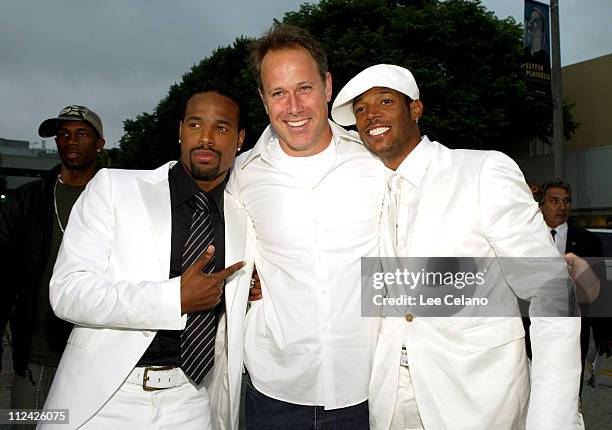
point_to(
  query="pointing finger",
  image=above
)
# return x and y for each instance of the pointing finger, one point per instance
(229, 271)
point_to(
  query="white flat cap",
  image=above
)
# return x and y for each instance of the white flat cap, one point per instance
(380, 75)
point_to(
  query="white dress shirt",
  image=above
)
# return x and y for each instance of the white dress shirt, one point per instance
(314, 217)
(560, 237)
(403, 188)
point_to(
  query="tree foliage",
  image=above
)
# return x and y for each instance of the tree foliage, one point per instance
(465, 60)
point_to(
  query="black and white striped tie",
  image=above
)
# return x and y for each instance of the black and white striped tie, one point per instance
(198, 338)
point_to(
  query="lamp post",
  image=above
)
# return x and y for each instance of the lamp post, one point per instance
(557, 92)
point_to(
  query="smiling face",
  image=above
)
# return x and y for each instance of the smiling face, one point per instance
(209, 138)
(295, 98)
(386, 122)
(77, 144)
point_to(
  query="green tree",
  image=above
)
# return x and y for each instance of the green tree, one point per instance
(467, 63)
(108, 158)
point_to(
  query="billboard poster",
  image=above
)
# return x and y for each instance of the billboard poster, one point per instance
(536, 61)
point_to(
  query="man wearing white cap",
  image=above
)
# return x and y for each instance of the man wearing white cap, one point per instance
(458, 373)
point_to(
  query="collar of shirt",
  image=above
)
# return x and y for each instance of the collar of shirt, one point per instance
(265, 150)
(560, 229)
(560, 238)
(183, 187)
(414, 166)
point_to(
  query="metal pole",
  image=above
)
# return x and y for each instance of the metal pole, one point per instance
(557, 91)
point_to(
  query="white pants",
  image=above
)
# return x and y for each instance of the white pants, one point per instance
(131, 408)
(406, 413)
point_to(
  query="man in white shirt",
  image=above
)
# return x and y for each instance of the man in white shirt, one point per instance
(314, 195)
(460, 373)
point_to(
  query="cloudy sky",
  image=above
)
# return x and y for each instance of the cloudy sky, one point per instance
(120, 56)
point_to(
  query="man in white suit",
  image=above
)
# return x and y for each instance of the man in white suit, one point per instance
(459, 373)
(140, 274)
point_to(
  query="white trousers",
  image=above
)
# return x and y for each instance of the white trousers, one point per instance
(406, 413)
(131, 408)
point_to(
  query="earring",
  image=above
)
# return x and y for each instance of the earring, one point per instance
(179, 141)
(97, 150)
(417, 121)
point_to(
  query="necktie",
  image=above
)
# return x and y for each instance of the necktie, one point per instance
(393, 184)
(198, 338)
(553, 233)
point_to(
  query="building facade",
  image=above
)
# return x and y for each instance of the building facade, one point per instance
(588, 154)
(21, 162)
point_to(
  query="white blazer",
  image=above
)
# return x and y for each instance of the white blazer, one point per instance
(111, 281)
(472, 373)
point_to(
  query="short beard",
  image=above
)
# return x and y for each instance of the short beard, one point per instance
(200, 173)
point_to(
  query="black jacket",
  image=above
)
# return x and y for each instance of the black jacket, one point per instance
(26, 224)
(583, 243)
(586, 244)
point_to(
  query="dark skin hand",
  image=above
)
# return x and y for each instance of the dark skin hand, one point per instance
(255, 290)
(201, 291)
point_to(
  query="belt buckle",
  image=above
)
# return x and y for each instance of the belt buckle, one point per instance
(145, 376)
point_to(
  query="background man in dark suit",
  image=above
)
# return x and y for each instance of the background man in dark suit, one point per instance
(554, 198)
